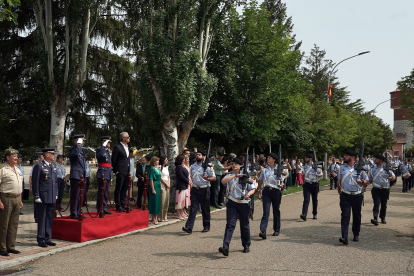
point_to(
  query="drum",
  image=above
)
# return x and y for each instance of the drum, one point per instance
(406, 175)
(332, 175)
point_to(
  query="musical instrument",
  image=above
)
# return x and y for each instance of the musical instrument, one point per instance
(333, 175)
(406, 175)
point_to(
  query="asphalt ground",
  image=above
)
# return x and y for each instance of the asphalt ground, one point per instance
(302, 248)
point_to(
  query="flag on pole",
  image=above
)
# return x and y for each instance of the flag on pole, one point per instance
(330, 90)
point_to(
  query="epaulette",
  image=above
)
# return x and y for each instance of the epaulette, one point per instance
(2, 165)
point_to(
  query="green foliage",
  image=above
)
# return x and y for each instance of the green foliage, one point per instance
(406, 85)
(6, 10)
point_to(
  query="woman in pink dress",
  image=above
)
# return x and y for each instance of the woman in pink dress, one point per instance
(187, 202)
(299, 172)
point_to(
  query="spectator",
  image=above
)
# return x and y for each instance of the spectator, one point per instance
(293, 165)
(154, 195)
(141, 172)
(182, 183)
(165, 188)
(299, 168)
(61, 172)
(186, 164)
(131, 170)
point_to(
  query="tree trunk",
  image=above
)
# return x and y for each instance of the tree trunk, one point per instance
(184, 131)
(58, 113)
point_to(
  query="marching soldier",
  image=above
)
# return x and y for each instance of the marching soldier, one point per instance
(350, 195)
(310, 187)
(199, 193)
(270, 186)
(77, 169)
(405, 169)
(103, 156)
(45, 191)
(380, 180)
(333, 170)
(237, 206)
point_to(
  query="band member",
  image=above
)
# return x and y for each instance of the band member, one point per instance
(380, 180)
(103, 156)
(77, 169)
(405, 169)
(350, 195)
(237, 206)
(199, 193)
(333, 172)
(45, 191)
(310, 187)
(270, 187)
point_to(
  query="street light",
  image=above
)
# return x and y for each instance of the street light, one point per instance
(382, 103)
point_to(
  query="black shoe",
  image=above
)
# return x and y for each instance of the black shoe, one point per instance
(246, 249)
(4, 253)
(275, 233)
(205, 230)
(315, 217)
(224, 251)
(330, 188)
(343, 240)
(356, 238)
(43, 244)
(303, 217)
(13, 251)
(51, 243)
(374, 221)
(73, 217)
(403, 191)
(188, 230)
(107, 212)
(118, 209)
(383, 221)
(262, 235)
(217, 207)
(21, 213)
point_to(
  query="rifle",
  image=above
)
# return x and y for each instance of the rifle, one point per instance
(360, 167)
(387, 168)
(206, 165)
(279, 170)
(246, 180)
(253, 166)
(316, 164)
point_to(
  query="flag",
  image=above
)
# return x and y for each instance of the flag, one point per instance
(330, 90)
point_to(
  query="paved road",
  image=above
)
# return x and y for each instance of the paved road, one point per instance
(303, 248)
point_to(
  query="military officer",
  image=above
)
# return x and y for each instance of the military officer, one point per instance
(310, 187)
(237, 206)
(380, 180)
(270, 187)
(350, 190)
(61, 172)
(199, 193)
(405, 169)
(77, 169)
(45, 192)
(87, 180)
(333, 168)
(103, 156)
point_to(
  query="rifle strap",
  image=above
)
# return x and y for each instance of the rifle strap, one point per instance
(306, 173)
(376, 175)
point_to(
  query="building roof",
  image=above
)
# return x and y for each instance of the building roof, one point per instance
(401, 142)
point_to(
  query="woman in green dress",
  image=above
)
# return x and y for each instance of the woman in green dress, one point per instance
(154, 197)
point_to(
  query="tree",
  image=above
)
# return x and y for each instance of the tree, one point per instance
(406, 85)
(6, 10)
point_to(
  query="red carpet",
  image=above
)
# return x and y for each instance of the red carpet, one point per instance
(96, 228)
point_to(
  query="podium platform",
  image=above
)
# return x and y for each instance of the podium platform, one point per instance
(98, 228)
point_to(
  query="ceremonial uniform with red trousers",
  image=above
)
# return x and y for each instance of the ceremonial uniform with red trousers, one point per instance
(103, 156)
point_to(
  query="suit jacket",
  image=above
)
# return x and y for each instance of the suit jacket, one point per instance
(120, 160)
(103, 156)
(139, 173)
(77, 162)
(181, 178)
(44, 182)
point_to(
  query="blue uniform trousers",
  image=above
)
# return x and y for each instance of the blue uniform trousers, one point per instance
(310, 189)
(233, 210)
(348, 203)
(380, 197)
(74, 197)
(252, 199)
(198, 198)
(61, 189)
(333, 182)
(45, 216)
(274, 197)
(106, 194)
(405, 183)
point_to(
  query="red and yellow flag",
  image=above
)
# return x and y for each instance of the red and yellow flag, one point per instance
(330, 90)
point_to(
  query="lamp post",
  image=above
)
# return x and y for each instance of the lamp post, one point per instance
(325, 174)
(382, 103)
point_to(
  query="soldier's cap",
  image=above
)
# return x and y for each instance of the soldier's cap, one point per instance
(202, 153)
(49, 150)
(105, 138)
(220, 154)
(350, 153)
(380, 156)
(39, 153)
(9, 152)
(309, 155)
(19, 156)
(79, 136)
(273, 155)
(60, 156)
(238, 161)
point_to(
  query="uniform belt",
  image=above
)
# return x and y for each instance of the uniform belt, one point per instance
(107, 165)
(239, 200)
(11, 195)
(272, 186)
(352, 193)
(200, 187)
(375, 185)
(310, 183)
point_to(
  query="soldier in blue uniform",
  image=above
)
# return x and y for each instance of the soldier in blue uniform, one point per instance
(334, 168)
(237, 206)
(103, 157)
(270, 187)
(77, 169)
(350, 194)
(310, 186)
(45, 191)
(405, 169)
(199, 193)
(87, 179)
(61, 172)
(380, 180)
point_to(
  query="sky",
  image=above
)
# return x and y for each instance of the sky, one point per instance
(346, 28)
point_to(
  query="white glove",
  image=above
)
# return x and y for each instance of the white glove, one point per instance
(38, 200)
(105, 143)
(80, 140)
(56, 197)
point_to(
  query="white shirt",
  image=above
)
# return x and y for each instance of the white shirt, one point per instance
(125, 148)
(165, 174)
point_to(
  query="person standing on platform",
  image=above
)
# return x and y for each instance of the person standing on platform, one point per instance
(103, 157)
(270, 187)
(165, 189)
(61, 172)
(45, 191)
(87, 179)
(77, 169)
(333, 169)
(39, 159)
(142, 170)
(120, 165)
(237, 206)
(154, 195)
(380, 191)
(131, 171)
(311, 186)
(19, 163)
(199, 193)
(405, 169)
(10, 202)
(350, 196)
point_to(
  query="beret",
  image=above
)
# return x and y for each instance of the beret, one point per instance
(380, 156)
(238, 161)
(273, 155)
(350, 153)
(309, 155)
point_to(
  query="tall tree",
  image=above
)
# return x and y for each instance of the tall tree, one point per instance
(406, 85)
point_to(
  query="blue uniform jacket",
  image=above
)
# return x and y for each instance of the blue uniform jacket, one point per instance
(44, 182)
(103, 155)
(77, 162)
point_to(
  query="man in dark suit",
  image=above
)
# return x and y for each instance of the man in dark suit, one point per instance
(77, 168)
(45, 191)
(142, 169)
(103, 156)
(120, 165)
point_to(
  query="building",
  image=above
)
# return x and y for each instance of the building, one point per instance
(398, 149)
(403, 130)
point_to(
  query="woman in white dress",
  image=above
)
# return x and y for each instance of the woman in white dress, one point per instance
(165, 188)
